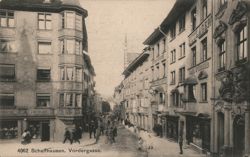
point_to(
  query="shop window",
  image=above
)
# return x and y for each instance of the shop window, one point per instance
(8, 129)
(7, 46)
(44, 21)
(7, 19)
(7, 100)
(242, 44)
(43, 100)
(43, 74)
(204, 50)
(193, 18)
(44, 47)
(193, 56)
(7, 72)
(204, 92)
(222, 56)
(182, 23)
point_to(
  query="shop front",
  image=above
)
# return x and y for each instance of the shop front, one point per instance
(8, 129)
(172, 127)
(39, 129)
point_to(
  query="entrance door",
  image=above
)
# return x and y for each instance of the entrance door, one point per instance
(220, 132)
(239, 136)
(45, 132)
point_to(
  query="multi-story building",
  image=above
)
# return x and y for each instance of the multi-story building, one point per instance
(231, 110)
(136, 96)
(41, 67)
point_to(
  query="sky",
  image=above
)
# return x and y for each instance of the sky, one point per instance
(108, 23)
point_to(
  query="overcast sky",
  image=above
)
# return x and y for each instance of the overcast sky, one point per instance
(108, 22)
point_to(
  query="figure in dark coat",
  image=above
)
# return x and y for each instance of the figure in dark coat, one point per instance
(67, 136)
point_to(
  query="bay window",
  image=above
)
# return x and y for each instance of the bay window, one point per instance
(71, 20)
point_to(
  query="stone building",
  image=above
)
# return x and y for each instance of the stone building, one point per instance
(231, 107)
(41, 67)
(136, 96)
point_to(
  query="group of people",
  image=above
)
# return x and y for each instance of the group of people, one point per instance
(73, 136)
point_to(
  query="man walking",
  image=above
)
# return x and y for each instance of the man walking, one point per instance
(67, 136)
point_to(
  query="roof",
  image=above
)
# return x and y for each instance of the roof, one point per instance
(135, 63)
(41, 5)
(179, 8)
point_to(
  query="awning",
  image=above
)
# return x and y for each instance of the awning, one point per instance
(190, 81)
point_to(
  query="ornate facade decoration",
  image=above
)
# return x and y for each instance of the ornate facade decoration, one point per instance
(234, 85)
(222, 27)
(202, 75)
(238, 13)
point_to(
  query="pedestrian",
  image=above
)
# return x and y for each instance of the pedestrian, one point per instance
(140, 144)
(92, 129)
(26, 137)
(181, 143)
(76, 136)
(67, 136)
(114, 132)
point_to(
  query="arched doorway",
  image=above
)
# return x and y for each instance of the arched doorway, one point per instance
(220, 131)
(239, 136)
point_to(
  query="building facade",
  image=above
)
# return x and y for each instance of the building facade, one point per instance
(41, 67)
(231, 108)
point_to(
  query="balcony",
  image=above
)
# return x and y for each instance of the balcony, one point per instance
(13, 112)
(69, 112)
(41, 112)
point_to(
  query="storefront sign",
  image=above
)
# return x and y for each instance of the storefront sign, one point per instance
(200, 30)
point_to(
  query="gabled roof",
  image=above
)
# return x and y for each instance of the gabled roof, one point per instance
(178, 9)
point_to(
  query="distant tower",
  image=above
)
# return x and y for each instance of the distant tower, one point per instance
(125, 51)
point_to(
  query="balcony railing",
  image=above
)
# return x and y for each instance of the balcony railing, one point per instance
(14, 112)
(69, 112)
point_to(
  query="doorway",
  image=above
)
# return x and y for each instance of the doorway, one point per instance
(220, 132)
(45, 132)
(239, 136)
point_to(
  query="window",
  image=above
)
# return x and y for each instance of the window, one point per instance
(43, 74)
(61, 99)
(204, 92)
(78, 47)
(44, 47)
(157, 71)
(173, 56)
(69, 74)
(222, 56)
(162, 98)
(173, 32)
(204, 50)
(164, 45)
(69, 99)
(7, 46)
(7, 72)
(78, 100)
(158, 49)
(182, 23)
(204, 9)
(193, 18)
(78, 22)
(44, 21)
(69, 21)
(7, 100)
(193, 56)
(43, 100)
(191, 92)
(62, 73)
(223, 3)
(172, 77)
(70, 46)
(181, 74)
(164, 69)
(78, 74)
(242, 44)
(182, 50)
(7, 19)
(176, 99)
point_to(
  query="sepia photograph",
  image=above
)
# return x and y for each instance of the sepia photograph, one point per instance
(124, 78)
